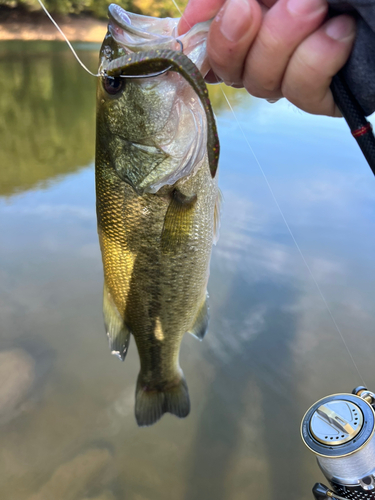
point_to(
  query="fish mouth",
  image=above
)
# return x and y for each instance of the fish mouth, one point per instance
(140, 33)
(137, 33)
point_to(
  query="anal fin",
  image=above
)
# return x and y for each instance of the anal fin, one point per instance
(117, 332)
(200, 324)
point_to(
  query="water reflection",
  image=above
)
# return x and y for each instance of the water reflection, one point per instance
(46, 114)
(254, 333)
(271, 350)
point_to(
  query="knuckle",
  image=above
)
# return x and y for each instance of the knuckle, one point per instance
(226, 66)
(297, 96)
(257, 89)
(266, 78)
(222, 67)
(260, 92)
(253, 90)
(266, 67)
(271, 84)
(315, 100)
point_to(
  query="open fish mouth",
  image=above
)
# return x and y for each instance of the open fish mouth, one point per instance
(136, 33)
(141, 32)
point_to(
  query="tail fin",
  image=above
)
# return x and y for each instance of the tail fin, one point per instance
(150, 405)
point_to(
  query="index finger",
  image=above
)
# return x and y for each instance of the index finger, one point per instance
(198, 11)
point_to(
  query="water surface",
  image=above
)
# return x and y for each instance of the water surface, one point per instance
(67, 429)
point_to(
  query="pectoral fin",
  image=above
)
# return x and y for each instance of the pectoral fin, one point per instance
(200, 325)
(178, 222)
(117, 332)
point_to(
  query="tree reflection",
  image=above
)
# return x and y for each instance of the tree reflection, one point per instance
(220, 93)
(47, 114)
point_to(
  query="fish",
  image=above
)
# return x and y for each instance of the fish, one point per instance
(158, 201)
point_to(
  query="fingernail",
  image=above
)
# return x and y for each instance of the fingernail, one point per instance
(305, 7)
(340, 28)
(234, 18)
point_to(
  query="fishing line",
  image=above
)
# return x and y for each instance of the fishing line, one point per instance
(179, 10)
(287, 226)
(67, 41)
(104, 72)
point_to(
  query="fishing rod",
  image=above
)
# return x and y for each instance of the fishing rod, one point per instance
(352, 87)
(360, 128)
(339, 429)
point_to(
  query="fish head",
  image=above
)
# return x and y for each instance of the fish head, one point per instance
(153, 129)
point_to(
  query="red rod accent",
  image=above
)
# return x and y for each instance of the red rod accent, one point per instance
(362, 130)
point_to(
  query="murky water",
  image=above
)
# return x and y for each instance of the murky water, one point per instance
(67, 429)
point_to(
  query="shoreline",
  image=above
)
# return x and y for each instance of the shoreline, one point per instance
(37, 26)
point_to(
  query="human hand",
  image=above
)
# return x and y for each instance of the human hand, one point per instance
(276, 48)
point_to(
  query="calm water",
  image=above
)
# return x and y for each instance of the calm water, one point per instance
(67, 429)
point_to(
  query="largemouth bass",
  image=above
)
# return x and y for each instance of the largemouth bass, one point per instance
(157, 199)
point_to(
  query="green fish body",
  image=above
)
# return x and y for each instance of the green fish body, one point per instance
(157, 205)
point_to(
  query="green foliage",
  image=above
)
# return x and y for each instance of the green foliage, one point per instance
(98, 8)
(221, 94)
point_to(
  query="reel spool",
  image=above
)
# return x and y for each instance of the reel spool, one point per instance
(339, 430)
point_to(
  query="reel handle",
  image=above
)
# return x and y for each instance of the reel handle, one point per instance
(321, 492)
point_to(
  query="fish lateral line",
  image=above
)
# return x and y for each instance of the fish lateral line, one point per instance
(170, 60)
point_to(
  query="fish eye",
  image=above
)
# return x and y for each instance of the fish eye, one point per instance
(113, 84)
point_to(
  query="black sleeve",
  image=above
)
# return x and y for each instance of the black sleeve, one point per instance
(359, 71)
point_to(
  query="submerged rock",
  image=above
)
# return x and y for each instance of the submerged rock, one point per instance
(76, 479)
(17, 375)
